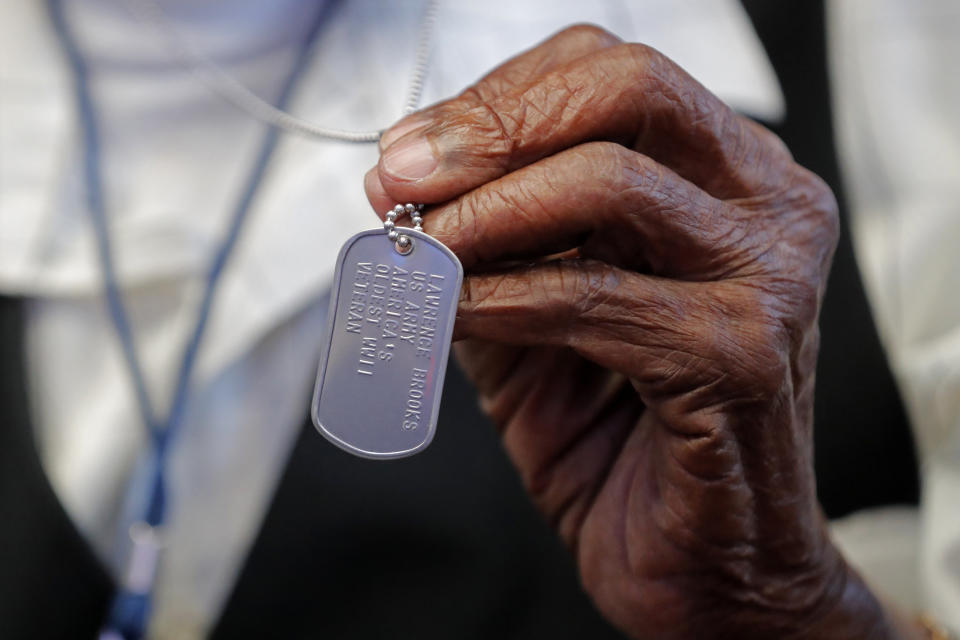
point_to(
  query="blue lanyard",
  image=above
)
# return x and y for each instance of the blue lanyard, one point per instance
(130, 611)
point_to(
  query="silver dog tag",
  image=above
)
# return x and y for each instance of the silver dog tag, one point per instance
(388, 338)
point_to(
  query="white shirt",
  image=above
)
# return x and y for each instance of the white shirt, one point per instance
(897, 109)
(175, 159)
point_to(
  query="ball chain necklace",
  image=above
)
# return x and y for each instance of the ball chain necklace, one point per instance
(393, 302)
(228, 88)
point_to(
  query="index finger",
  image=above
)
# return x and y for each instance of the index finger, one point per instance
(557, 50)
(629, 94)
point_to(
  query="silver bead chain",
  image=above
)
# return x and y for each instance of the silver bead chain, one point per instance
(390, 224)
(237, 94)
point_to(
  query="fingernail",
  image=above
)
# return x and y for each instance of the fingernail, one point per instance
(410, 159)
(401, 129)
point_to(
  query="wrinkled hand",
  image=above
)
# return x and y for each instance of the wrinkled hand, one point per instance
(645, 270)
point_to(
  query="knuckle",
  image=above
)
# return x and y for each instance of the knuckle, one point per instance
(624, 173)
(618, 167)
(765, 361)
(649, 72)
(495, 295)
(799, 226)
(757, 339)
(590, 35)
(802, 299)
(779, 331)
(645, 57)
(751, 157)
(602, 150)
(461, 228)
(777, 149)
(591, 290)
(486, 127)
(609, 157)
(812, 193)
(471, 97)
(774, 147)
(653, 70)
(815, 219)
(751, 154)
(659, 73)
(823, 204)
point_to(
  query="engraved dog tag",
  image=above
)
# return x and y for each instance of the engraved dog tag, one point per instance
(388, 338)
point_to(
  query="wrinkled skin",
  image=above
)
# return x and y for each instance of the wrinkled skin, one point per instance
(644, 274)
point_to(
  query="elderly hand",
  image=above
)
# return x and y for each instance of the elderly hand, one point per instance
(645, 269)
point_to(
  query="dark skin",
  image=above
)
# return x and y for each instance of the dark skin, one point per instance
(644, 274)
